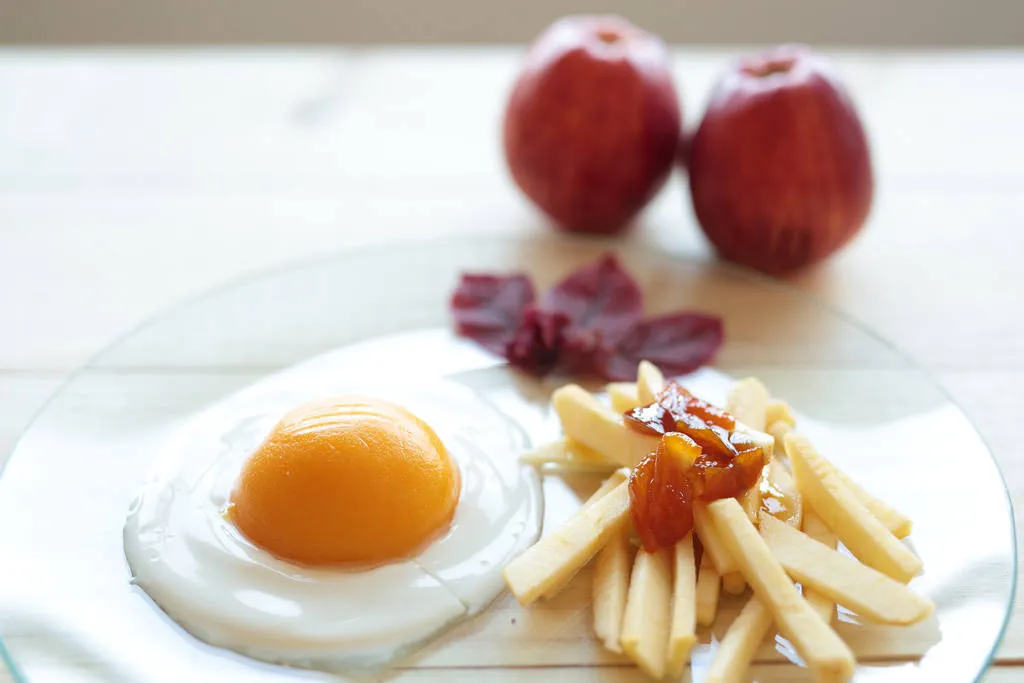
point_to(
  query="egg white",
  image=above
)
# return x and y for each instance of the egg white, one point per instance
(224, 590)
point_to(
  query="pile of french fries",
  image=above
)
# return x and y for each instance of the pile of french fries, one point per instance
(782, 532)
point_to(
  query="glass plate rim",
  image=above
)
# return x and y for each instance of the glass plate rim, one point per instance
(611, 244)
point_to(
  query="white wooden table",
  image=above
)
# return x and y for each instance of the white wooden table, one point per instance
(131, 179)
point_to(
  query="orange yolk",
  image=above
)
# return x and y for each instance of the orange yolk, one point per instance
(346, 480)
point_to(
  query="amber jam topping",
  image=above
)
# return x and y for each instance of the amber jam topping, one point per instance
(700, 457)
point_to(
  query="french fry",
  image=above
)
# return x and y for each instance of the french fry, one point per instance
(714, 547)
(858, 587)
(649, 382)
(860, 531)
(708, 582)
(611, 584)
(748, 403)
(736, 649)
(778, 431)
(778, 410)
(780, 496)
(894, 520)
(607, 486)
(623, 396)
(683, 630)
(555, 558)
(596, 426)
(645, 625)
(568, 454)
(814, 527)
(826, 654)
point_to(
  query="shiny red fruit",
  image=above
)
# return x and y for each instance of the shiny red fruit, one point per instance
(592, 127)
(780, 170)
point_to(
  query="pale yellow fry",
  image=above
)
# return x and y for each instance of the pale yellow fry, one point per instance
(750, 500)
(737, 648)
(778, 410)
(778, 431)
(709, 537)
(708, 583)
(649, 382)
(894, 520)
(568, 454)
(683, 631)
(623, 396)
(611, 584)
(555, 558)
(814, 527)
(748, 403)
(609, 484)
(779, 495)
(645, 625)
(597, 426)
(858, 587)
(826, 654)
(860, 531)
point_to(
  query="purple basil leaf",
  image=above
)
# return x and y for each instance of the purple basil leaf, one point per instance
(489, 308)
(537, 343)
(602, 302)
(678, 343)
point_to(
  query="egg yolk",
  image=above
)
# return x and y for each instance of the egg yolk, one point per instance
(346, 480)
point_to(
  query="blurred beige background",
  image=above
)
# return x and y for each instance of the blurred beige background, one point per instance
(864, 22)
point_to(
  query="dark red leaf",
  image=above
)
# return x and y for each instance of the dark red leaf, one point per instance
(602, 302)
(489, 308)
(537, 344)
(678, 343)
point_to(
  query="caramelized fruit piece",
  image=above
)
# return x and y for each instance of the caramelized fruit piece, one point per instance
(665, 484)
(661, 492)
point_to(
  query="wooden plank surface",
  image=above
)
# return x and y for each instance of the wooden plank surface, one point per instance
(130, 180)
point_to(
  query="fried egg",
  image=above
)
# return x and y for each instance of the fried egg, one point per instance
(336, 533)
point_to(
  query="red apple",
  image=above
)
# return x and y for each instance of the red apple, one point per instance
(780, 170)
(592, 126)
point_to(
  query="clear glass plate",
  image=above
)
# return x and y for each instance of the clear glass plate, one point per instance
(69, 613)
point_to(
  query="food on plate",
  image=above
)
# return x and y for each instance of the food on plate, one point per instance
(569, 454)
(702, 456)
(611, 585)
(587, 421)
(593, 123)
(559, 555)
(779, 167)
(682, 635)
(854, 525)
(623, 396)
(589, 323)
(740, 642)
(646, 622)
(682, 509)
(346, 480)
(814, 527)
(824, 651)
(708, 585)
(867, 592)
(300, 532)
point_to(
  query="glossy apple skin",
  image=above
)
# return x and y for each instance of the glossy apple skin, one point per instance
(780, 169)
(592, 127)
